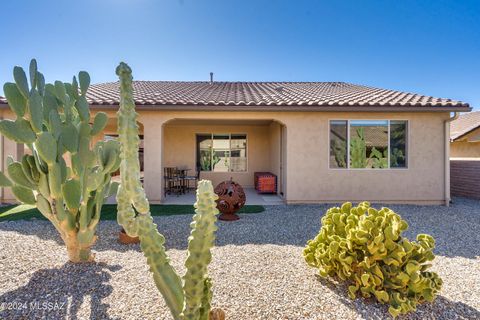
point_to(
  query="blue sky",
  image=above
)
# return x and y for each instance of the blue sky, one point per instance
(429, 47)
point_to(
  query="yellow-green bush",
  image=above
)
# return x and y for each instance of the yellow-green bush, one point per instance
(365, 247)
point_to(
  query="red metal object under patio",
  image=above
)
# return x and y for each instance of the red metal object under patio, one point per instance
(231, 198)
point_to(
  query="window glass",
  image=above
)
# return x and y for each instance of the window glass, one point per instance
(204, 152)
(238, 153)
(221, 153)
(369, 144)
(398, 144)
(338, 144)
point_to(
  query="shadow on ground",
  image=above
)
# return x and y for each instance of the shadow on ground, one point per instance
(452, 227)
(56, 294)
(441, 308)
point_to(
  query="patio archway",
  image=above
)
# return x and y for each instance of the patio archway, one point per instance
(238, 148)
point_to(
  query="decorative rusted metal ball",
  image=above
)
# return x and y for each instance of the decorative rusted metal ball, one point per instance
(231, 198)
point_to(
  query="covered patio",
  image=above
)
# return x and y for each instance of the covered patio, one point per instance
(222, 149)
(253, 198)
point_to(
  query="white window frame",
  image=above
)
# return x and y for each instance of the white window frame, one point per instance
(407, 147)
(230, 150)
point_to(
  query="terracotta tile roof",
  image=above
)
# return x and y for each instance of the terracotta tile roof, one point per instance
(464, 124)
(204, 93)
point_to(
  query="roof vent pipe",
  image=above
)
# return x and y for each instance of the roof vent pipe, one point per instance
(211, 77)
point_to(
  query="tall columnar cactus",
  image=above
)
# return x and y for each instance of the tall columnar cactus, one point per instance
(365, 247)
(53, 121)
(188, 298)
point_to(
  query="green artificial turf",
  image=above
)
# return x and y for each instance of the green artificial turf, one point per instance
(109, 211)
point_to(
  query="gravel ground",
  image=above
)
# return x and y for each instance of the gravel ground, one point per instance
(257, 268)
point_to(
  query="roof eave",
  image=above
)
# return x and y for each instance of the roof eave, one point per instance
(292, 108)
(289, 108)
(462, 135)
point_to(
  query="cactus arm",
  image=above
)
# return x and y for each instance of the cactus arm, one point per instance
(99, 201)
(201, 240)
(131, 195)
(166, 279)
(206, 300)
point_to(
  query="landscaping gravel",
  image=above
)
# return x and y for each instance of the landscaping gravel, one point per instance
(257, 268)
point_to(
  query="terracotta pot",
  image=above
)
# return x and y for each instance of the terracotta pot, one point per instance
(216, 314)
(124, 238)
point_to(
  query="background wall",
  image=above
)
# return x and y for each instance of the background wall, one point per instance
(468, 147)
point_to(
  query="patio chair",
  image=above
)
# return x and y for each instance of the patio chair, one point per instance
(173, 182)
(195, 178)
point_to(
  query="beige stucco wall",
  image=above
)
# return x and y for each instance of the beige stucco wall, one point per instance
(275, 152)
(467, 147)
(307, 175)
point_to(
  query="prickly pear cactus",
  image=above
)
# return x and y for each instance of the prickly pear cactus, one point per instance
(365, 247)
(53, 121)
(188, 298)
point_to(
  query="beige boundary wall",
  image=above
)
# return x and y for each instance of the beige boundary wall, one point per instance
(307, 177)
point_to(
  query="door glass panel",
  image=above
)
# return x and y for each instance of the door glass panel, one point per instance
(238, 155)
(204, 152)
(221, 153)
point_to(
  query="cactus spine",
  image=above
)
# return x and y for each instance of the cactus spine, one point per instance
(52, 120)
(190, 298)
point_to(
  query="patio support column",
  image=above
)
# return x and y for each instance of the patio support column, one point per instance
(152, 157)
(15, 150)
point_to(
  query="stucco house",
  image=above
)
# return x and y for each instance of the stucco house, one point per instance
(465, 136)
(325, 141)
(465, 155)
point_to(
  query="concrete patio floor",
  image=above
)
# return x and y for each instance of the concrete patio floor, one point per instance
(253, 198)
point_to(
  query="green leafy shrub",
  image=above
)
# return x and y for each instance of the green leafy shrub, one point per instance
(365, 247)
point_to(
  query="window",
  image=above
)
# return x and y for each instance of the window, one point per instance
(398, 144)
(372, 144)
(338, 144)
(222, 152)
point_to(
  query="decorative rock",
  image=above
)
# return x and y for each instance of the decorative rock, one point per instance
(231, 198)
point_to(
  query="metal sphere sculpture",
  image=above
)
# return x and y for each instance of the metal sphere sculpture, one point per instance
(231, 198)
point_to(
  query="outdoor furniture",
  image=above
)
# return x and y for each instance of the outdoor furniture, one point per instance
(188, 179)
(265, 182)
(173, 181)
